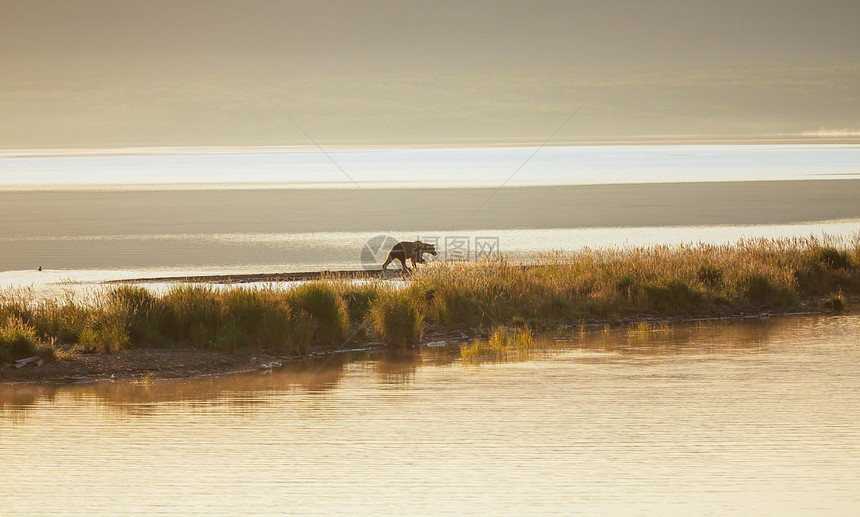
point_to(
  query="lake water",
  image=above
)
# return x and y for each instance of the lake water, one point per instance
(91, 216)
(371, 168)
(753, 418)
(750, 418)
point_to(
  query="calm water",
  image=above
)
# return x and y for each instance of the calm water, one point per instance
(122, 214)
(422, 168)
(758, 418)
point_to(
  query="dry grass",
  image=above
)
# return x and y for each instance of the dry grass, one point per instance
(19, 340)
(659, 280)
(700, 279)
(397, 319)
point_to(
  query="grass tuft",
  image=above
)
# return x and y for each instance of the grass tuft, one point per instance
(189, 315)
(254, 318)
(504, 344)
(319, 303)
(359, 299)
(18, 340)
(827, 258)
(397, 320)
(835, 302)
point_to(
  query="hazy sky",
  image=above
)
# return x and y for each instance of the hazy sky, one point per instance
(93, 73)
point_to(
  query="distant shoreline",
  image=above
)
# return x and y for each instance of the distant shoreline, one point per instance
(135, 150)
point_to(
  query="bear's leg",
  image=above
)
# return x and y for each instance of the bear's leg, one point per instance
(388, 261)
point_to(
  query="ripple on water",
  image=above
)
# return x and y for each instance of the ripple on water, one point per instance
(758, 417)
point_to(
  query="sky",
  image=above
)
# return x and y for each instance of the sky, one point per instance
(97, 73)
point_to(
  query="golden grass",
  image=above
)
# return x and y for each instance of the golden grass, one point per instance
(603, 284)
(397, 319)
(658, 280)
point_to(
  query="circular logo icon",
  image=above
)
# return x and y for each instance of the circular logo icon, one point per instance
(375, 251)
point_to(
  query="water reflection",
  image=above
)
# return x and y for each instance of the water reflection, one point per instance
(713, 336)
(745, 418)
(17, 401)
(398, 367)
(242, 392)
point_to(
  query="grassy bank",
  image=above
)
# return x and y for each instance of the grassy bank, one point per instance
(605, 284)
